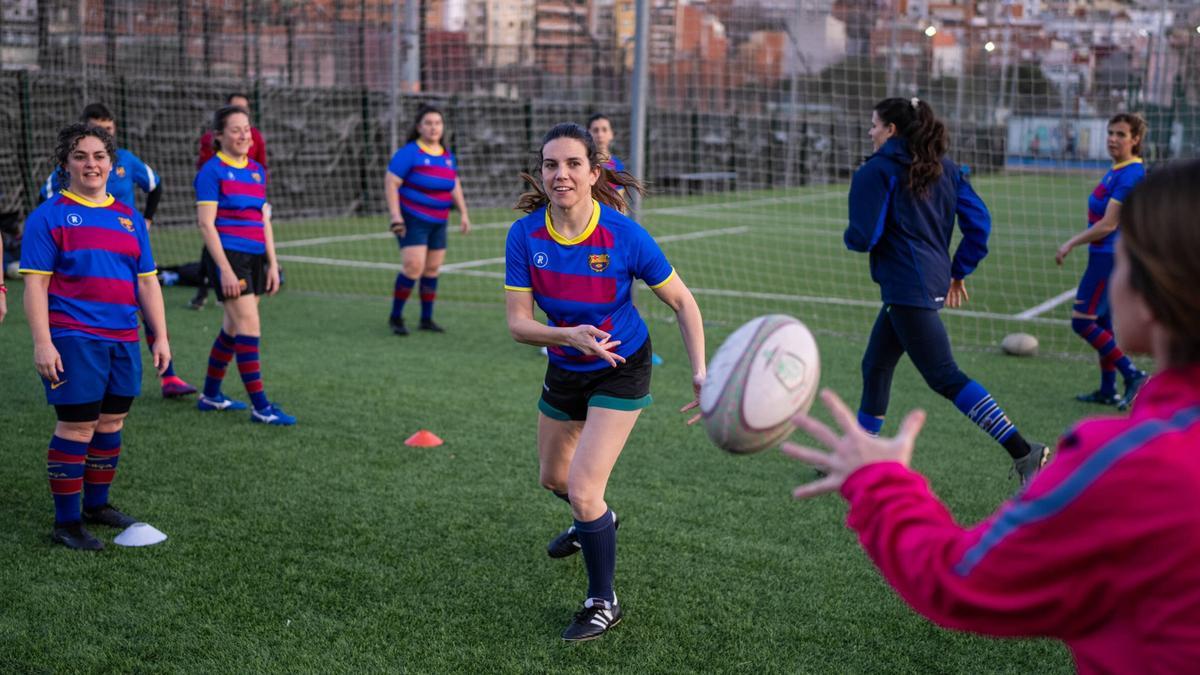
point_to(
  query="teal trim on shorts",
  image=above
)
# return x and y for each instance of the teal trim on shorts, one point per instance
(552, 412)
(613, 403)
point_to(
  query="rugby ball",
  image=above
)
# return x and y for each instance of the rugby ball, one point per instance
(1019, 344)
(765, 373)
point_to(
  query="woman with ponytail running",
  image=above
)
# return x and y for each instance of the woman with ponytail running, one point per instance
(903, 204)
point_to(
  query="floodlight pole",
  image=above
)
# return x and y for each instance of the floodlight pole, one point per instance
(394, 81)
(637, 125)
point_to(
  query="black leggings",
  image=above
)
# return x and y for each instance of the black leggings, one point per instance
(919, 333)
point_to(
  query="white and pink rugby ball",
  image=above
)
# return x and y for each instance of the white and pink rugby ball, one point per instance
(765, 373)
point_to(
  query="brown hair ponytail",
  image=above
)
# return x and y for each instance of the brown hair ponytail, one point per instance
(535, 196)
(926, 135)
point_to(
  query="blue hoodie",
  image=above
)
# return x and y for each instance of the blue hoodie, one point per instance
(908, 237)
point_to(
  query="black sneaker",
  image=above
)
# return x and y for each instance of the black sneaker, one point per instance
(107, 515)
(198, 301)
(75, 536)
(1132, 386)
(1099, 397)
(429, 325)
(594, 620)
(1026, 467)
(397, 324)
(567, 544)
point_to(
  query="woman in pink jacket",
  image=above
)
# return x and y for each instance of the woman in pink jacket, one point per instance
(1102, 549)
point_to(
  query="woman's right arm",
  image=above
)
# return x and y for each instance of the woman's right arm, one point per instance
(391, 196)
(206, 216)
(37, 311)
(524, 328)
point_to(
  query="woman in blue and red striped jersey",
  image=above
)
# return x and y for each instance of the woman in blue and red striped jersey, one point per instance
(577, 257)
(1090, 319)
(231, 190)
(419, 188)
(88, 269)
(600, 127)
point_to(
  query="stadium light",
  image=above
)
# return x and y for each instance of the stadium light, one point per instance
(931, 31)
(1198, 29)
(989, 47)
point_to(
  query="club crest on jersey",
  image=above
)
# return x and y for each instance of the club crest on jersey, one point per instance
(120, 171)
(74, 219)
(125, 223)
(257, 177)
(598, 262)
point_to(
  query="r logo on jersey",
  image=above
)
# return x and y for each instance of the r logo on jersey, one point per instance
(256, 176)
(120, 172)
(74, 219)
(125, 223)
(598, 262)
(540, 259)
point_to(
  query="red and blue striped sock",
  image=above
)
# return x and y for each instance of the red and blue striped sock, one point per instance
(150, 340)
(1105, 345)
(102, 455)
(64, 466)
(404, 287)
(428, 295)
(246, 347)
(218, 361)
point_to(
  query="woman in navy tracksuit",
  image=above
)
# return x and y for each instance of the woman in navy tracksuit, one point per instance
(903, 203)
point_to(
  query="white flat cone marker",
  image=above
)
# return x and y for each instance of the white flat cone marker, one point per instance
(140, 534)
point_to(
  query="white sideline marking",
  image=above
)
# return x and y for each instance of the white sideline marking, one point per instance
(1047, 305)
(671, 210)
(820, 300)
(700, 234)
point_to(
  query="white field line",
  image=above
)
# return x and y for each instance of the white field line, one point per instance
(819, 300)
(462, 267)
(701, 211)
(1047, 305)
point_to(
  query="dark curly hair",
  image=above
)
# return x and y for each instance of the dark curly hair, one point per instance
(603, 191)
(68, 140)
(926, 135)
(422, 110)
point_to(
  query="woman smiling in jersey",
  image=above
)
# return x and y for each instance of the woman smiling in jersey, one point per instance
(576, 256)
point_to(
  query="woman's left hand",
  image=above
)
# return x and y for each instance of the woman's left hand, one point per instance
(957, 294)
(465, 226)
(697, 383)
(3, 305)
(852, 450)
(161, 351)
(273, 278)
(1062, 252)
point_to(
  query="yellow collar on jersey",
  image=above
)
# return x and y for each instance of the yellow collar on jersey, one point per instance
(108, 200)
(428, 149)
(1122, 165)
(233, 162)
(587, 231)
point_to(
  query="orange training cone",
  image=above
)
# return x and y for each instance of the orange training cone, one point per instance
(423, 439)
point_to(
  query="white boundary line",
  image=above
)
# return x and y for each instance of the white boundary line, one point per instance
(1047, 305)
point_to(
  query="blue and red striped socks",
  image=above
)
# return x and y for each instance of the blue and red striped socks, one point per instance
(976, 403)
(218, 361)
(404, 287)
(1106, 346)
(428, 295)
(246, 347)
(102, 455)
(65, 462)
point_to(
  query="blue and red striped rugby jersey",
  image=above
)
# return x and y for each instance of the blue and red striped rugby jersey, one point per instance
(588, 279)
(239, 189)
(94, 254)
(1115, 186)
(614, 164)
(428, 182)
